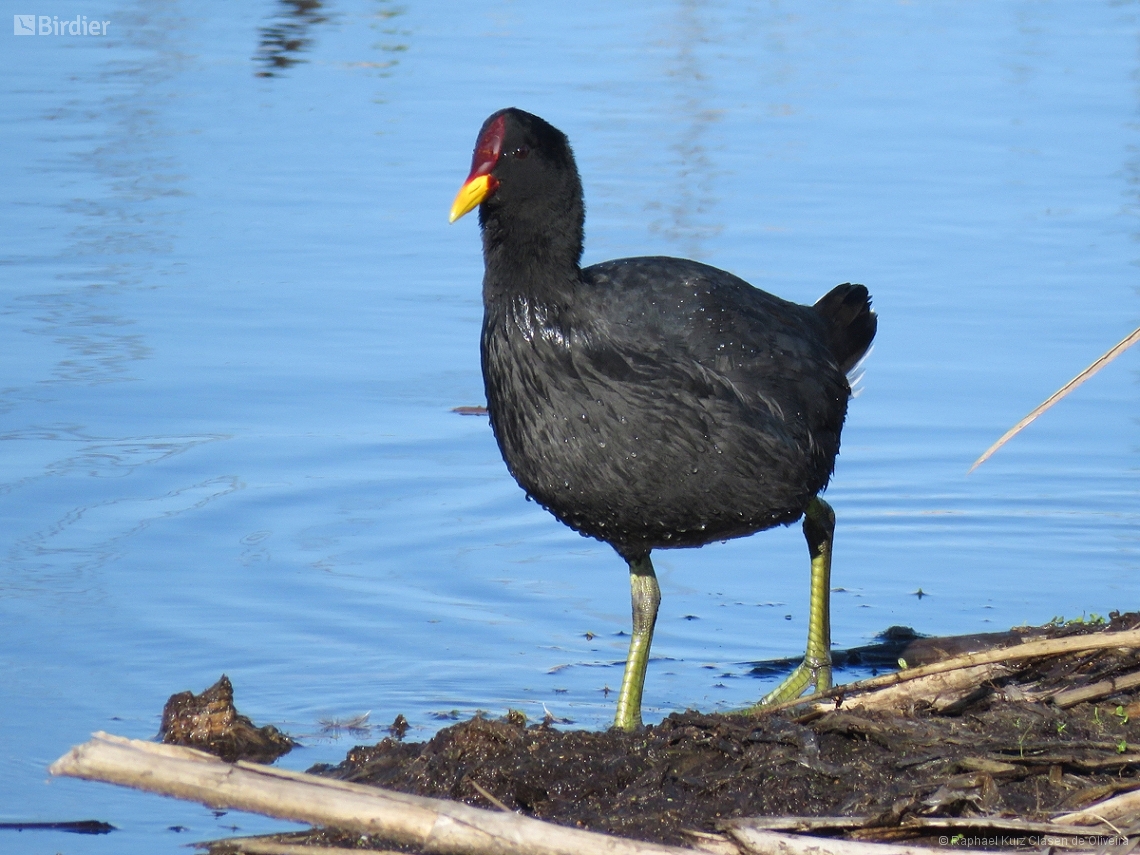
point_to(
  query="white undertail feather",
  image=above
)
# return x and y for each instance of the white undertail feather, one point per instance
(855, 375)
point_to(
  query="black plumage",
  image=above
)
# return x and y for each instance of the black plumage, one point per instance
(647, 402)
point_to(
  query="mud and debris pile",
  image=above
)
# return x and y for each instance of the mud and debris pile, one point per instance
(1028, 739)
(210, 722)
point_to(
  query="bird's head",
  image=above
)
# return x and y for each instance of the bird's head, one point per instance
(522, 164)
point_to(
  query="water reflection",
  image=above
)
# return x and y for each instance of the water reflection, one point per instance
(91, 522)
(685, 210)
(121, 206)
(1131, 206)
(98, 346)
(283, 41)
(117, 213)
(394, 37)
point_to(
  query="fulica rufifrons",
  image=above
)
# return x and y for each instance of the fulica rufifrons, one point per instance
(653, 402)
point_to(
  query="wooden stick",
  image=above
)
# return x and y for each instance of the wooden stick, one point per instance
(974, 823)
(269, 846)
(1128, 341)
(1072, 697)
(1123, 805)
(1031, 649)
(798, 823)
(433, 825)
(758, 842)
(485, 794)
(993, 823)
(936, 688)
(711, 843)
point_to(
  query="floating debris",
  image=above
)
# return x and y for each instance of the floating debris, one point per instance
(210, 722)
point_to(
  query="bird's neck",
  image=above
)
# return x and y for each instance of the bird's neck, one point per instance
(532, 257)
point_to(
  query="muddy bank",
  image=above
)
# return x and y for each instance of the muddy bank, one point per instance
(1019, 740)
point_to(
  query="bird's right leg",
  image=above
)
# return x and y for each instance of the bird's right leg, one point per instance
(815, 670)
(646, 596)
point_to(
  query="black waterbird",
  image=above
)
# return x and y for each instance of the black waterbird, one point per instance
(653, 402)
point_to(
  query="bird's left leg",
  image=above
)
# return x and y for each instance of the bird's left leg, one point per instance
(815, 670)
(646, 597)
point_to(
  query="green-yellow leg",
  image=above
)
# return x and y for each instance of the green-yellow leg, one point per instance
(815, 670)
(646, 598)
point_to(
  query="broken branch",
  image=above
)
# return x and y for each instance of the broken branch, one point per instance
(433, 825)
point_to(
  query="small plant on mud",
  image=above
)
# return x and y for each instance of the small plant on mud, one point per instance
(1061, 725)
(1092, 619)
(1121, 713)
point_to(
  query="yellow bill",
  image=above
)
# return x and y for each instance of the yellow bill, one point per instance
(470, 195)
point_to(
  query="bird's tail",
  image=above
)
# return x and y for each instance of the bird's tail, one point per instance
(851, 325)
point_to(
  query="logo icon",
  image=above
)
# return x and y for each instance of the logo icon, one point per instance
(24, 25)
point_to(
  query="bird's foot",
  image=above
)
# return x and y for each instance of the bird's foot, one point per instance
(813, 672)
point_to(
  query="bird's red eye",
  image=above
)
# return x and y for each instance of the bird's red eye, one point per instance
(521, 152)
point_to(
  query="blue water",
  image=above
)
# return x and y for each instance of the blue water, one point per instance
(234, 321)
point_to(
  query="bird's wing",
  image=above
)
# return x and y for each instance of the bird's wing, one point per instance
(706, 332)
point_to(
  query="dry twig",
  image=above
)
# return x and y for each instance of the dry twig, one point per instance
(758, 842)
(939, 690)
(270, 845)
(1122, 806)
(1029, 650)
(1128, 341)
(1104, 688)
(1062, 834)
